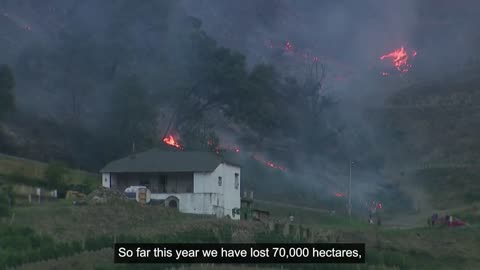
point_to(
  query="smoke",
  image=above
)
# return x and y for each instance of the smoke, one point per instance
(351, 33)
(112, 39)
(348, 37)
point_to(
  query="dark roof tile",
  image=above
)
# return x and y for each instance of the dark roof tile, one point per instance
(165, 161)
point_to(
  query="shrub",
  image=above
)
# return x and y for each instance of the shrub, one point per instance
(55, 174)
(4, 205)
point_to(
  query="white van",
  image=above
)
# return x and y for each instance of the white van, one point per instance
(132, 191)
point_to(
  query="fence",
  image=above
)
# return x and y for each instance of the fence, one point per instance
(35, 194)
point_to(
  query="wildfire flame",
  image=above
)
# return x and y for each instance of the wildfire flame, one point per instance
(287, 46)
(170, 140)
(339, 194)
(400, 59)
(229, 147)
(269, 163)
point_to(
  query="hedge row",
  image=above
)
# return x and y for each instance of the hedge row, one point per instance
(22, 245)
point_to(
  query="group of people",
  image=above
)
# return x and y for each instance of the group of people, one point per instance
(373, 213)
(435, 220)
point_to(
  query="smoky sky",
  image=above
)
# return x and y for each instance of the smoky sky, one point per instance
(355, 33)
(348, 35)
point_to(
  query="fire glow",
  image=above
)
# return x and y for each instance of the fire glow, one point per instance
(400, 58)
(269, 163)
(170, 140)
(222, 146)
(303, 56)
(339, 194)
(288, 47)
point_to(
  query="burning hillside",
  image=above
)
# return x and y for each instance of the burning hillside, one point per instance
(269, 163)
(171, 141)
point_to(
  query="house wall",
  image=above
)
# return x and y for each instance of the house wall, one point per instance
(209, 183)
(156, 182)
(208, 197)
(195, 203)
(106, 180)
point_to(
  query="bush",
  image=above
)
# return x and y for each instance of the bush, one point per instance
(19, 178)
(8, 191)
(35, 247)
(55, 174)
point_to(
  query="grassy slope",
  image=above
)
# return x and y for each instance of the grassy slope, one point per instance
(10, 165)
(412, 248)
(420, 248)
(430, 135)
(451, 187)
(64, 222)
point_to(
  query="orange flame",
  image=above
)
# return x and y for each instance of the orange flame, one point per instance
(400, 59)
(269, 163)
(172, 142)
(229, 147)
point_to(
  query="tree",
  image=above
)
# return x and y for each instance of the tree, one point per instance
(55, 174)
(221, 81)
(7, 84)
(132, 117)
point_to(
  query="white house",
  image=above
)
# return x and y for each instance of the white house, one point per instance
(193, 182)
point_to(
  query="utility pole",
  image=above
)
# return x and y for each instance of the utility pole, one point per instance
(350, 190)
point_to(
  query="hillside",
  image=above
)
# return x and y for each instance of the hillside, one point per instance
(89, 231)
(85, 231)
(325, 105)
(20, 171)
(429, 133)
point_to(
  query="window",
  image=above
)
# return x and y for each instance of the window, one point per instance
(237, 181)
(219, 181)
(162, 183)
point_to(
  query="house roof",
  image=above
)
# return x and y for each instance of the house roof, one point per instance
(156, 160)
